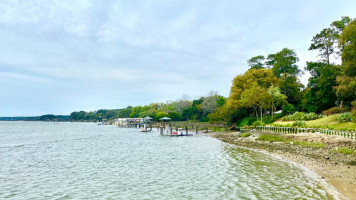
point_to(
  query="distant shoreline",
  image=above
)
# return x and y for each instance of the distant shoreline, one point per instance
(48, 117)
(324, 161)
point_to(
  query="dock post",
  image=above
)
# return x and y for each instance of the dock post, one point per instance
(186, 130)
(196, 129)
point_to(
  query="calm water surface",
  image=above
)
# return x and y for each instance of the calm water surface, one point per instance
(43, 160)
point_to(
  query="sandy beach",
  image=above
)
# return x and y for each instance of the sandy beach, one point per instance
(331, 165)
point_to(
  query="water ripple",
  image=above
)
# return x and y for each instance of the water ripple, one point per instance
(86, 161)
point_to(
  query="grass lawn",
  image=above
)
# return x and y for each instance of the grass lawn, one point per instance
(329, 121)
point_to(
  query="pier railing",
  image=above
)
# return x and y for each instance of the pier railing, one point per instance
(295, 130)
(200, 125)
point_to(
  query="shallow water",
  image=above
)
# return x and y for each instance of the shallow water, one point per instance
(44, 160)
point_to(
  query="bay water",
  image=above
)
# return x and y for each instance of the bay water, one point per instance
(59, 160)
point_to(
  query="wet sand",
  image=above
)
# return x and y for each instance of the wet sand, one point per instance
(326, 162)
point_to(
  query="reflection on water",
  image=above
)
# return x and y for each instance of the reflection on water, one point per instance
(42, 160)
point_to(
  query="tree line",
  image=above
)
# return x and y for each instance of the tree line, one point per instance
(47, 117)
(180, 110)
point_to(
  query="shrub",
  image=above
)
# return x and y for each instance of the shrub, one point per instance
(299, 123)
(345, 150)
(246, 126)
(300, 116)
(288, 109)
(270, 138)
(310, 116)
(258, 123)
(334, 110)
(344, 117)
(309, 144)
(268, 119)
(247, 121)
(245, 134)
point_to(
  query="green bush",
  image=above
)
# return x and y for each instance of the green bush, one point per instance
(309, 144)
(250, 121)
(345, 150)
(334, 110)
(270, 138)
(245, 134)
(258, 123)
(269, 119)
(288, 109)
(300, 116)
(310, 116)
(344, 117)
(247, 121)
(299, 123)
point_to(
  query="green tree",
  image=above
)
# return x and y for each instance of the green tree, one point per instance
(160, 115)
(222, 101)
(47, 117)
(346, 88)
(125, 113)
(74, 116)
(339, 26)
(284, 63)
(135, 112)
(241, 92)
(321, 95)
(276, 98)
(175, 116)
(326, 41)
(256, 97)
(293, 89)
(284, 67)
(194, 112)
(256, 62)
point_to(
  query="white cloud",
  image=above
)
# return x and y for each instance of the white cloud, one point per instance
(92, 54)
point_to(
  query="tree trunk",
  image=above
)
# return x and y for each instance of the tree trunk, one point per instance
(285, 83)
(256, 112)
(272, 108)
(261, 113)
(327, 53)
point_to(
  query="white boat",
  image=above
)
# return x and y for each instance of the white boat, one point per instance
(180, 132)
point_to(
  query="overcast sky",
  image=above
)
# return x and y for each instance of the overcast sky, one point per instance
(67, 55)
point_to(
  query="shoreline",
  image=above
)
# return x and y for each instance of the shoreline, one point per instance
(324, 162)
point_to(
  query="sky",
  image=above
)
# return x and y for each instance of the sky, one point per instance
(69, 55)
